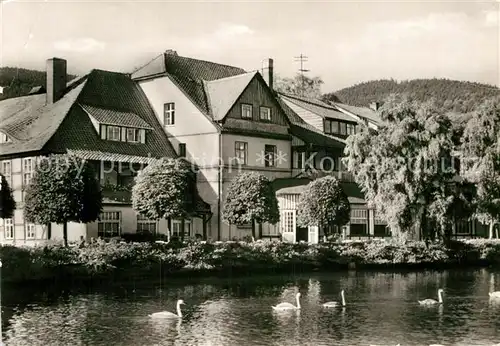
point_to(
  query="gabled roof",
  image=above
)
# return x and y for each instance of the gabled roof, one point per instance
(189, 75)
(63, 125)
(318, 107)
(113, 117)
(363, 112)
(223, 93)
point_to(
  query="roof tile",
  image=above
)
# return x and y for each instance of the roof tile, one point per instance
(114, 117)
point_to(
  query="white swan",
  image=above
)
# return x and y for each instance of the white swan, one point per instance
(432, 301)
(495, 295)
(168, 314)
(334, 304)
(288, 306)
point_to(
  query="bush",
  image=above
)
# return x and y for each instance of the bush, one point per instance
(148, 259)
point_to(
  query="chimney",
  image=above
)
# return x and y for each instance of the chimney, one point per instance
(375, 106)
(56, 79)
(170, 52)
(270, 72)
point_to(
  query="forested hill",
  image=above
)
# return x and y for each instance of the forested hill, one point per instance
(453, 95)
(19, 81)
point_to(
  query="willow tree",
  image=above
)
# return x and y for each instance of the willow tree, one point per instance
(64, 189)
(401, 169)
(250, 199)
(164, 190)
(323, 203)
(7, 203)
(481, 160)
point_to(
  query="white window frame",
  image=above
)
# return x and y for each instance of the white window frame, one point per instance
(107, 219)
(27, 171)
(270, 161)
(111, 132)
(265, 113)
(169, 113)
(30, 230)
(246, 111)
(133, 135)
(144, 224)
(243, 160)
(8, 228)
(7, 171)
(177, 227)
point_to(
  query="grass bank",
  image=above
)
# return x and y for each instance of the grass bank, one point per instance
(118, 261)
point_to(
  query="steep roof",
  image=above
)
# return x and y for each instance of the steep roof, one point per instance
(114, 117)
(64, 125)
(318, 107)
(223, 93)
(192, 76)
(363, 112)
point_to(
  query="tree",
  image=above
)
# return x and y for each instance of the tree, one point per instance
(406, 167)
(323, 203)
(300, 85)
(64, 189)
(164, 190)
(7, 203)
(481, 159)
(250, 198)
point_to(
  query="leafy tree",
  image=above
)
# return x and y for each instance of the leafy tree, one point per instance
(324, 204)
(7, 203)
(481, 159)
(250, 198)
(300, 85)
(64, 189)
(405, 168)
(164, 190)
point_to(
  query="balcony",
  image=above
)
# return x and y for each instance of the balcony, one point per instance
(116, 193)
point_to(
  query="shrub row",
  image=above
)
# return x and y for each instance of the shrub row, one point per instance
(102, 259)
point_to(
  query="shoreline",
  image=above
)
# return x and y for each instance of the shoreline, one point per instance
(114, 262)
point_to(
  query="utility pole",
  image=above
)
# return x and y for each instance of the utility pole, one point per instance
(302, 58)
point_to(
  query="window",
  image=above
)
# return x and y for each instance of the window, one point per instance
(133, 135)
(351, 129)
(246, 111)
(29, 229)
(145, 225)
(182, 149)
(27, 171)
(331, 126)
(343, 128)
(8, 227)
(113, 133)
(4, 138)
(299, 159)
(241, 152)
(359, 222)
(109, 224)
(169, 113)
(265, 113)
(7, 171)
(270, 155)
(177, 230)
(187, 230)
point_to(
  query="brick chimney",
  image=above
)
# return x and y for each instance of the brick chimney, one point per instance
(170, 52)
(56, 79)
(269, 76)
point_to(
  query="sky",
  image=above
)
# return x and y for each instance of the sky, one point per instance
(346, 42)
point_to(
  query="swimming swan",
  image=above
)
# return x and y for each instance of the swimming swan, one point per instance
(168, 314)
(288, 306)
(334, 304)
(495, 295)
(432, 301)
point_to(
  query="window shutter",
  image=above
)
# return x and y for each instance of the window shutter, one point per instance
(103, 131)
(124, 134)
(142, 134)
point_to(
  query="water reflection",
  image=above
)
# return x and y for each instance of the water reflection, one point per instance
(382, 309)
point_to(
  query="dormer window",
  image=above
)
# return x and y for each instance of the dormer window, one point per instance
(246, 111)
(113, 133)
(134, 135)
(4, 138)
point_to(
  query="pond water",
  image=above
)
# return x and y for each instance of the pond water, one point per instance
(382, 309)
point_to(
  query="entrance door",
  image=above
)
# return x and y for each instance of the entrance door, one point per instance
(313, 234)
(288, 225)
